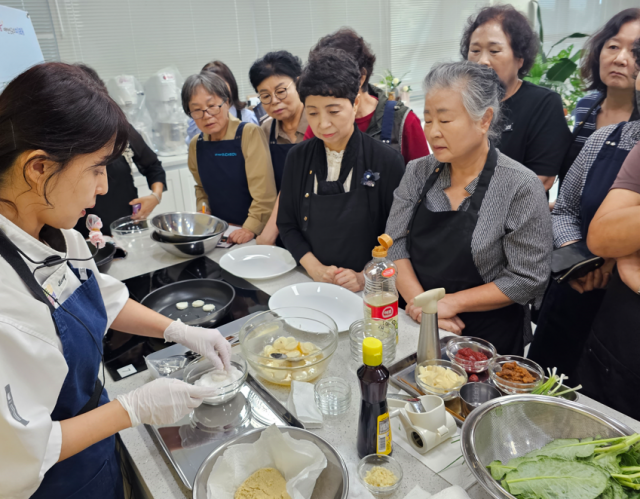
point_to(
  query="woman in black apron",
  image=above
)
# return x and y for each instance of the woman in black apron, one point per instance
(57, 425)
(469, 219)
(608, 368)
(568, 311)
(274, 77)
(229, 160)
(608, 69)
(337, 188)
(122, 196)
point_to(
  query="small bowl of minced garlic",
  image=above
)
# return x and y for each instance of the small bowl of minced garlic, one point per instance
(380, 474)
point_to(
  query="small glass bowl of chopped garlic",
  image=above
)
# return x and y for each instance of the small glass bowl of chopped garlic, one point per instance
(380, 474)
(289, 343)
(440, 377)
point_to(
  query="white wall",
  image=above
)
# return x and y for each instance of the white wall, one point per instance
(140, 37)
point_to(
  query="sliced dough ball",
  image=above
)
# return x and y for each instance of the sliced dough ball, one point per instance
(267, 350)
(182, 305)
(197, 304)
(209, 308)
(280, 343)
(293, 354)
(307, 347)
(291, 343)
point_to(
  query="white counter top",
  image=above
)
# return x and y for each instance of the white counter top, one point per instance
(157, 474)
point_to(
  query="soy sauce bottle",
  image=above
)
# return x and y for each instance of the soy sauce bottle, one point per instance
(374, 425)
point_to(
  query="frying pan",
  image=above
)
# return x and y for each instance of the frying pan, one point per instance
(104, 256)
(211, 291)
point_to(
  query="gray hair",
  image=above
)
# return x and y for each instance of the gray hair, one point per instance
(479, 85)
(211, 82)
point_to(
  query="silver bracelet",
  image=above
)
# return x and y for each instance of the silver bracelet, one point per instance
(155, 196)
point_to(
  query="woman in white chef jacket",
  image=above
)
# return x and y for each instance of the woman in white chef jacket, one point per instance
(58, 130)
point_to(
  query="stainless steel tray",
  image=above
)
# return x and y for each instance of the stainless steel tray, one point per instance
(192, 439)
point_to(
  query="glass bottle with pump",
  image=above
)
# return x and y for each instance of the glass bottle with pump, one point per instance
(380, 293)
(374, 424)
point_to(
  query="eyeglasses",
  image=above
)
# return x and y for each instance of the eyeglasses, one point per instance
(211, 111)
(280, 94)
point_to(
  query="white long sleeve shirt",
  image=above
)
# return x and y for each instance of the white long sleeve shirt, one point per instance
(32, 364)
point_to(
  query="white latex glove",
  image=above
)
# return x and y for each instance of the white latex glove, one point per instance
(163, 401)
(207, 342)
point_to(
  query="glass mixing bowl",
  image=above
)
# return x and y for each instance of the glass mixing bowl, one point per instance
(203, 366)
(289, 343)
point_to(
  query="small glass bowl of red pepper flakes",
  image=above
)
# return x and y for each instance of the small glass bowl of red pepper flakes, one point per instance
(472, 354)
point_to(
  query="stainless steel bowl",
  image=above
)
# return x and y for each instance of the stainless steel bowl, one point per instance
(333, 482)
(182, 227)
(512, 426)
(473, 395)
(185, 250)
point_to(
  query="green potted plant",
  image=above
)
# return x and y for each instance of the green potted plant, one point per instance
(559, 72)
(391, 83)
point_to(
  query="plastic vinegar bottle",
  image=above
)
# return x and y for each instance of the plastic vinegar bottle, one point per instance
(380, 293)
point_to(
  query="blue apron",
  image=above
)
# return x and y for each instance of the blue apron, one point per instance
(224, 178)
(566, 316)
(94, 472)
(278, 154)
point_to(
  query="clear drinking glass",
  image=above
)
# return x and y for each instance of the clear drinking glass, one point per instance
(333, 396)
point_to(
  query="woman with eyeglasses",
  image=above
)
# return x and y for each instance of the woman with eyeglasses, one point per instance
(229, 159)
(237, 109)
(274, 77)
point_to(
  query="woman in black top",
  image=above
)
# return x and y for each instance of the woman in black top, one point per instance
(337, 188)
(122, 195)
(535, 131)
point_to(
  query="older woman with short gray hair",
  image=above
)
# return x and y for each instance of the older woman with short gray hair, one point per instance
(469, 219)
(229, 159)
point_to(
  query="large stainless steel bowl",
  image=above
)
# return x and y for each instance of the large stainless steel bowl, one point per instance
(181, 227)
(188, 249)
(333, 482)
(512, 426)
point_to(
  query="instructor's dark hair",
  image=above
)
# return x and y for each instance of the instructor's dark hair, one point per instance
(522, 38)
(636, 52)
(330, 72)
(280, 63)
(57, 108)
(590, 68)
(223, 71)
(353, 44)
(91, 73)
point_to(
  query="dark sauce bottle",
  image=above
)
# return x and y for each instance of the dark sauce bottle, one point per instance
(374, 424)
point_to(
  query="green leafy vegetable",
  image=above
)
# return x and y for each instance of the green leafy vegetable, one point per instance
(499, 470)
(572, 468)
(557, 479)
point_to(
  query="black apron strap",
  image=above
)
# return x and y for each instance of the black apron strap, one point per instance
(239, 130)
(10, 253)
(580, 125)
(93, 402)
(387, 121)
(272, 134)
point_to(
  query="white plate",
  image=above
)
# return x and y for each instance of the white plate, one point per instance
(258, 262)
(343, 306)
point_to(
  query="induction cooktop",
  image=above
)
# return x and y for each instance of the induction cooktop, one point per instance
(124, 353)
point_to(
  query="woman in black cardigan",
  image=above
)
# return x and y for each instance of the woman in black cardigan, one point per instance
(337, 188)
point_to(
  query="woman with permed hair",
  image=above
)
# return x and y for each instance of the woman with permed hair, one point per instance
(469, 219)
(608, 69)
(337, 188)
(535, 131)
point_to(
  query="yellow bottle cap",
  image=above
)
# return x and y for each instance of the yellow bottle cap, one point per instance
(385, 243)
(372, 351)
